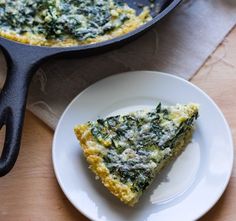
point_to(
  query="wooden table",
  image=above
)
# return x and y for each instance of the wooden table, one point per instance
(31, 192)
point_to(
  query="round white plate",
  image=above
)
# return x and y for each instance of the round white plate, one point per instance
(185, 190)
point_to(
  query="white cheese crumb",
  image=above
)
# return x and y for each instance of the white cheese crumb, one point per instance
(145, 128)
(92, 144)
(128, 154)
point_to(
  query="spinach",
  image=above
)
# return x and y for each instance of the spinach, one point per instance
(59, 19)
(138, 142)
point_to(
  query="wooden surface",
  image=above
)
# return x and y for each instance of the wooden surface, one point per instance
(31, 192)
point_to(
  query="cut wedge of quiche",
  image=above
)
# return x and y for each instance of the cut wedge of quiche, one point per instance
(127, 151)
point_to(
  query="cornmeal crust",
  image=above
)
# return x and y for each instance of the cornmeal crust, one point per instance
(120, 190)
(92, 148)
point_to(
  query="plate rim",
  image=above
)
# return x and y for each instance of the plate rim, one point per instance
(168, 75)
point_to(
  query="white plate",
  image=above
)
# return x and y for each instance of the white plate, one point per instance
(185, 190)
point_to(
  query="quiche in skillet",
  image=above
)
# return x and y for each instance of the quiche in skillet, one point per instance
(67, 22)
(127, 151)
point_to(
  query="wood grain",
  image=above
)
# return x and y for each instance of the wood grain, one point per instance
(218, 79)
(31, 192)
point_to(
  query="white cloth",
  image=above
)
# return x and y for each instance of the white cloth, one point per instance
(179, 44)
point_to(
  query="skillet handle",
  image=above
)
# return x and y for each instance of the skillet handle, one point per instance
(12, 107)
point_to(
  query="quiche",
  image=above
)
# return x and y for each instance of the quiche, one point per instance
(67, 22)
(127, 151)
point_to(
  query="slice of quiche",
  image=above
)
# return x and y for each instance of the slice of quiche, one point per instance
(127, 151)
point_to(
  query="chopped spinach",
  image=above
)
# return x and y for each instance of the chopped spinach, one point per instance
(79, 19)
(138, 142)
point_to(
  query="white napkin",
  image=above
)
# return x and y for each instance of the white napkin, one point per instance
(179, 44)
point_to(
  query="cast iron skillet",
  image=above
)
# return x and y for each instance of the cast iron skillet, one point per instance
(23, 60)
